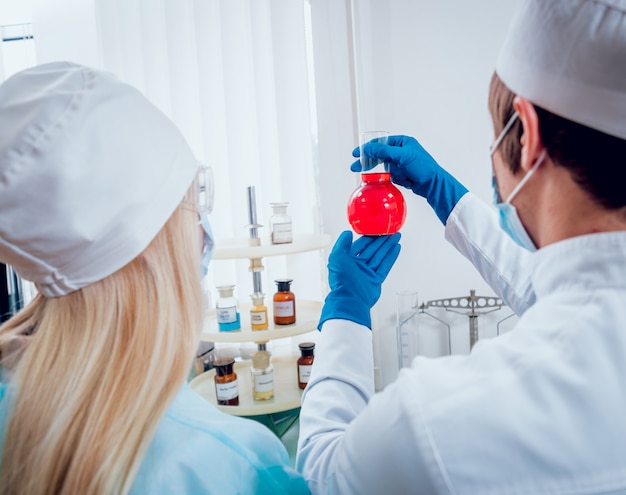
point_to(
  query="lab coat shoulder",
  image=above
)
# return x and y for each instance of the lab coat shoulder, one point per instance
(199, 449)
(473, 229)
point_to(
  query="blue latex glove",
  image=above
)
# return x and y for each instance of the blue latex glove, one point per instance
(356, 271)
(411, 166)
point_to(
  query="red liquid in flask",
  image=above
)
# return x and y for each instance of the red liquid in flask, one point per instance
(376, 207)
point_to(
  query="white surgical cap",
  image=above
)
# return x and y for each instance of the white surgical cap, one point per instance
(90, 171)
(569, 57)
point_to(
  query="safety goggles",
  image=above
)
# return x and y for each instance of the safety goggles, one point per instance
(202, 195)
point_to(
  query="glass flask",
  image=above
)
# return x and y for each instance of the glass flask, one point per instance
(377, 206)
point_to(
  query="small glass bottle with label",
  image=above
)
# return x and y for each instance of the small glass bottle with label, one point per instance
(262, 373)
(258, 313)
(280, 224)
(284, 303)
(228, 319)
(305, 363)
(226, 386)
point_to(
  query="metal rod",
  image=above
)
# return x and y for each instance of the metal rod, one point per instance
(473, 327)
(254, 231)
(256, 282)
(255, 263)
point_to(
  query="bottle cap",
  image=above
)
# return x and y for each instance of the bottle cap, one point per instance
(257, 299)
(307, 346)
(225, 290)
(279, 207)
(261, 359)
(284, 284)
(223, 366)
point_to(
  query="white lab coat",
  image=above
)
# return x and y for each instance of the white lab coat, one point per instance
(537, 410)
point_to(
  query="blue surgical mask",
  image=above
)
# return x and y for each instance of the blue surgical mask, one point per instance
(509, 218)
(208, 243)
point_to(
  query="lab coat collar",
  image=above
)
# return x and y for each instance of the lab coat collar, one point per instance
(584, 262)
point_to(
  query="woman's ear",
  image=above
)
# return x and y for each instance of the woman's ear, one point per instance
(532, 147)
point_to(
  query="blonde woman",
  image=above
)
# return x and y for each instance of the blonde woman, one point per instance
(99, 208)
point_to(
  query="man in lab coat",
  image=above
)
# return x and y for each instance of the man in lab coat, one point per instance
(539, 409)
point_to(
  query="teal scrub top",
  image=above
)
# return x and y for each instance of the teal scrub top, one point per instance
(197, 449)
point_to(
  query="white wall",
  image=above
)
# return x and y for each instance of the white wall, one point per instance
(422, 69)
(66, 30)
(416, 67)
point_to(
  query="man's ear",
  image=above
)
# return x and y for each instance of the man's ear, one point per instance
(532, 147)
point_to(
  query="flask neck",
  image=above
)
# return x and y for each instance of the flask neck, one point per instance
(376, 177)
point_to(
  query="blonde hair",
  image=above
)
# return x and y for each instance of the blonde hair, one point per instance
(100, 369)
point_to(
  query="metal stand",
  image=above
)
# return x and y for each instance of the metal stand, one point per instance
(468, 306)
(256, 264)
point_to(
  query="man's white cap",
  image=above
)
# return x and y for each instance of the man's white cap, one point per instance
(569, 57)
(90, 171)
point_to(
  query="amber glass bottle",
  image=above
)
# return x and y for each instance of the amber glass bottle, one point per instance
(305, 363)
(284, 303)
(226, 387)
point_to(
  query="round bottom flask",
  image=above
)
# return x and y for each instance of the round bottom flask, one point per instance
(377, 206)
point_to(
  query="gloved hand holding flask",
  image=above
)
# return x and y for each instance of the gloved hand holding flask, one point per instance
(356, 271)
(412, 166)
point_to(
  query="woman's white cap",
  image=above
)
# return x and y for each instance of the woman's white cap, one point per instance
(569, 57)
(90, 171)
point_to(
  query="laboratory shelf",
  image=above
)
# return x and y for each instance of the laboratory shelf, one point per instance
(287, 394)
(283, 408)
(307, 318)
(237, 248)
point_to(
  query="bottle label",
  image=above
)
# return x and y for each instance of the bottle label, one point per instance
(304, 372)
(258, 317)
(264, 383)
(281, 233)
(226, 315)
(227, 391)
(283, 308)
